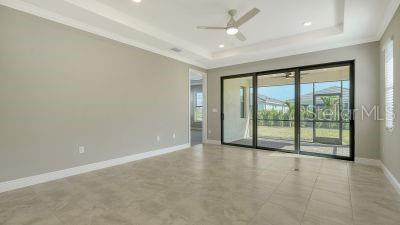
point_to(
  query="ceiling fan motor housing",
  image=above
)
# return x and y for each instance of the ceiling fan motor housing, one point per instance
(232, 12)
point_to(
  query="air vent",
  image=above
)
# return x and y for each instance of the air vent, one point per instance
(176, 49)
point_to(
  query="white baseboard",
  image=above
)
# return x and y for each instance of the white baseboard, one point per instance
(386, 171)
(46, 177)
(392, 179)
(212, 142)
(369, 162)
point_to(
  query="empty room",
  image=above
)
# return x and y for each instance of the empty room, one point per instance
(210, 112)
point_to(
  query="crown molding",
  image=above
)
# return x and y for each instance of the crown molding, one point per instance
(112, 14)
(43, 13)
(282, 43)
(201, 57)
(286, 52)
(389, 14)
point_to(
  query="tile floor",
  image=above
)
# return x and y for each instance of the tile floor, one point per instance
(211, 185)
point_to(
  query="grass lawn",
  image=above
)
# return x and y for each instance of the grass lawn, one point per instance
(306, 134)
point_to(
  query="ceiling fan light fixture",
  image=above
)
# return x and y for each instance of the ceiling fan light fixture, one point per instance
(232, 30)
(221, 46)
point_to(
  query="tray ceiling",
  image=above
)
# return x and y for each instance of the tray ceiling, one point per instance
(160, 25)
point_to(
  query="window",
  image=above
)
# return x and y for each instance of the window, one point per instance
(242, 102)
(198, 111)
(389, 92)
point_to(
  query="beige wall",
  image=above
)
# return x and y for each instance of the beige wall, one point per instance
(366, 88)
(390, 141)
(61, 88)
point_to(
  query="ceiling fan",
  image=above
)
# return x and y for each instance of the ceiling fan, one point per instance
(289, 75)
(232, 28)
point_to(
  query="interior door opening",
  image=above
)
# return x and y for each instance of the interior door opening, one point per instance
(197, 107)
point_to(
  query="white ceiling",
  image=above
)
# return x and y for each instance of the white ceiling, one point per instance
(180, 18)
(159, 25)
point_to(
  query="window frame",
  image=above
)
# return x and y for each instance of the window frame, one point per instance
(242, 102)
(197, 107)
(389, 85)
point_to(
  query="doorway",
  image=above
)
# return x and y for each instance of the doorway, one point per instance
(303, 110)
(197, 107)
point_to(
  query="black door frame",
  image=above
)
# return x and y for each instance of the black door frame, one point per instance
(297, 71)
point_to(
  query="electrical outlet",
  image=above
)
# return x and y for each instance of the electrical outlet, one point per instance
(174, 136)
(158, 138)
(81, 149)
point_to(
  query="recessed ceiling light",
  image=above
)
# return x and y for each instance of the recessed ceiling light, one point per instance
(307, 24)
(221, 46)
(137, 1)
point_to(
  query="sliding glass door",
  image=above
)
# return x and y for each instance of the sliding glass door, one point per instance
(325, 111)
(276, 111)
(304, 110)
(238, 111)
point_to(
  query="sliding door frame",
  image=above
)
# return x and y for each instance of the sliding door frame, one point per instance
(266, 73)
(253, 75)
(297, 129)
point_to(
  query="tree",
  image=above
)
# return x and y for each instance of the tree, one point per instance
(331, 104)
(290, 112)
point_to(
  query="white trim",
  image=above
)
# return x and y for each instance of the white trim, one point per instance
(205, 111)
(389, 13)
(286, 52)
(46, 177)
(190, 110)
(386, 171)
(207, 62)
(387, 42)
(46, 14)
(369, 162)
(117, 16)
(212, 142)
(391, 178)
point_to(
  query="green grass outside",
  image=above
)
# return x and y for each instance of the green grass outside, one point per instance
(306, 134)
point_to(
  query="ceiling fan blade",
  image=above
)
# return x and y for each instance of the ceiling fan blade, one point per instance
(240, 36)
(246, 17)
(211, 28)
